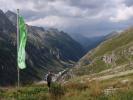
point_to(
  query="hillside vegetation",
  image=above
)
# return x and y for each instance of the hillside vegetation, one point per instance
(118, 88)
(114, 52)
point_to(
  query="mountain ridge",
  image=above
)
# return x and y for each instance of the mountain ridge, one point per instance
(45, 50)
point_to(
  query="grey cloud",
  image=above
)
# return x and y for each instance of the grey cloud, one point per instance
(89, 17)
(129, 2)
(31, 15)
(102, 27)
(91, 4)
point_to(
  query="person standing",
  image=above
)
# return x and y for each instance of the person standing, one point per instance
(49, 79)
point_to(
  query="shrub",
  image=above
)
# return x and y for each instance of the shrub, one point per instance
(56, 91)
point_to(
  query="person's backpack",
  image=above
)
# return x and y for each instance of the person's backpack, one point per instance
(45, 78)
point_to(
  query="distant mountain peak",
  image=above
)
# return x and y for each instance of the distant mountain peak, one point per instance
(87, 42)
(10, 12)
(12, 17)
(1, 12)
(5, 24)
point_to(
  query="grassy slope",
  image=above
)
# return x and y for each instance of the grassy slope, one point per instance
(117, 45)
(75, 90)
(125, 38)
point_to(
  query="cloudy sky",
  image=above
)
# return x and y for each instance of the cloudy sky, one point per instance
(88, 17)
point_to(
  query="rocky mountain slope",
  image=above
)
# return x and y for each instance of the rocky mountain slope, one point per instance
(46, 50)
(7, 50)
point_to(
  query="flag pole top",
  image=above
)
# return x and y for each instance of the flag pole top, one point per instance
(17, 11)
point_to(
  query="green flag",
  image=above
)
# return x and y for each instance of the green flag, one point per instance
(22, 43)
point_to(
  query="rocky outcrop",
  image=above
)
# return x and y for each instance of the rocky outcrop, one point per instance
(109, 59)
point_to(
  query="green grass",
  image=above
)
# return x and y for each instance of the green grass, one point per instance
(94, 90)
(24, 93)
(74, 90)
(95, 67)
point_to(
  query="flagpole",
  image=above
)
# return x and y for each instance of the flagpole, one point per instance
(18, 71)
